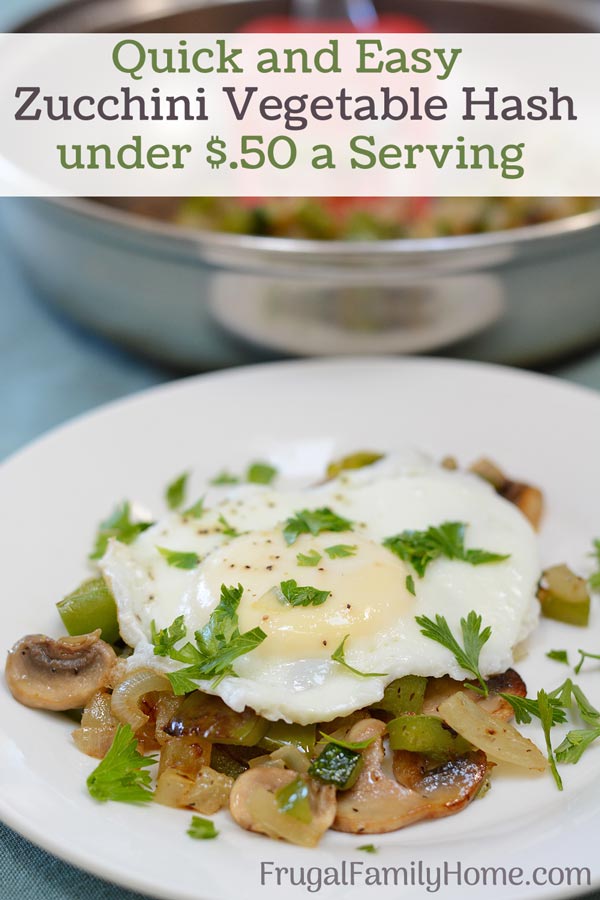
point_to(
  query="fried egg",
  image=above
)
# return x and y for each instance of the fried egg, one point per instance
(372, 596)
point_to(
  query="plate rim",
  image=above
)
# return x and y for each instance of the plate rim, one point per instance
(84, 861)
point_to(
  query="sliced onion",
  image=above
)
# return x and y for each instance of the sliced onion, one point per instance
(94, 742)
(128, 694)
(499, 740)
(207, 793)
(292, 757)
(263, 808)
(98, 726)
(266, 760)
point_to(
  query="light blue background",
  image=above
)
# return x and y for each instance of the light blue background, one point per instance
(50, 370)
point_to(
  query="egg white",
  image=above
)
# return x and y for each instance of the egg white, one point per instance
(291, 675)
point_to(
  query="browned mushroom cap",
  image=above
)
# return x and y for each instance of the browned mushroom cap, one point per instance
(529, 499)
(449, 783)
(378, 803)
(58, 674)
(253, 806)
(510, 682)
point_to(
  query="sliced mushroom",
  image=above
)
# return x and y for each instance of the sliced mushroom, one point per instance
(509, 682)
(529, 499)
(253, 805)
(378, 803)
(448, 783)
(59, 674)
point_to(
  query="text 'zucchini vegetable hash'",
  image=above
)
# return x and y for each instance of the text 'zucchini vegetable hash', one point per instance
(334, 656)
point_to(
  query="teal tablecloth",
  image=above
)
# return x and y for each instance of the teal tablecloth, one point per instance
(50, 371)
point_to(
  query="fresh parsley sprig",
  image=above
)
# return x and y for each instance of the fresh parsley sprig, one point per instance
(420, 548)
(474, 638)
(577, 740)
(546, 714)
(560, 656)
(575, 744)
(340, 551)
(179, 559)
(257, 473)
(568, 693)
(347, 745)
(313, 522)
(118, 525)
(202, 829)
(217, 645)
(196, 511)
(583, 655)
(122, 774)
(312, 558)
(224, 477)
(526, 708)
(298, 595)
(260, 473)
(164, 640)
(227, 529)
(175, 492)
(594, 580)
(339, 656)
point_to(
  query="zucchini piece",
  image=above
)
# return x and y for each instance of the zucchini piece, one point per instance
(338, 766)
(564, 596)
(88, 607)
(404, 695)
(282, 734)
(293, 799)
(425, 734)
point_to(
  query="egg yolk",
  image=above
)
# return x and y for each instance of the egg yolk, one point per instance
(367, 591)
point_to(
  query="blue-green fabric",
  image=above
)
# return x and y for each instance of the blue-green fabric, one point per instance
(50, 371)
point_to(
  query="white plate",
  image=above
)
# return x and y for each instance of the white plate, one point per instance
(299, 415)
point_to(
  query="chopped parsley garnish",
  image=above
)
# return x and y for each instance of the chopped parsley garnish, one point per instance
(196, 511)
(179, 559)
(577, 741)
(339, 551)
(296, 595)
(568, 692)
(119, 526)
(312, 558)
(122, 774)
(347, 745)
(202, 829)
(546, 714)
(474, 638)
(526, 707)
(410, 585)
(339, 656)
(260, 473)
(176, 491)
(313, 522)
(583, 655)
(227, 529)
(164, 640)
(225, 477)
(560, 656)
(293, 799)
(420, 548)
(368, 848)
(217, 645)
(594, 580)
